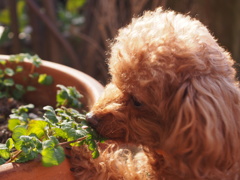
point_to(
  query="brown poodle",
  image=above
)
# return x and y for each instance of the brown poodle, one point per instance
(172, 100)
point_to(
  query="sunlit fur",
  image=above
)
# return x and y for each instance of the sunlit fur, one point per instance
(173, 93)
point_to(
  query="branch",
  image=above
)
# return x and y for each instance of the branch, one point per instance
(14, 157)
(69, 142)
(55, 33)
(14, 25)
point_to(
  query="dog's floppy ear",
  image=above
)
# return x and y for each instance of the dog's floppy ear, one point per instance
(205, 132)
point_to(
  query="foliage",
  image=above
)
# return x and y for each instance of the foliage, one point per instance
(67, 15)
(8, 88)
(43, 136)
(73, 5)
(6, 21)
(68, 97)
(46, 135)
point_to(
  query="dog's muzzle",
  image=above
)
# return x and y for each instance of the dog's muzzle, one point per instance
(92, 119)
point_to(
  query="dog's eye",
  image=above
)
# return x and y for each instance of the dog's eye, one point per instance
(136, 102)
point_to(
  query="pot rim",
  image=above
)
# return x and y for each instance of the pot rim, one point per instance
(91, 85)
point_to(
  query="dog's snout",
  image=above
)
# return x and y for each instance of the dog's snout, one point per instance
(91, 119)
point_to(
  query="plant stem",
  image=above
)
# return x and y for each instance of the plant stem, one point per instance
(67, 143)
(32, 69)
(14, 157)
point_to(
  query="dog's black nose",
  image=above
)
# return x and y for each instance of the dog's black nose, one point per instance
(91, 119)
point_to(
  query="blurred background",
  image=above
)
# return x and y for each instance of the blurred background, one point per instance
(77, 33)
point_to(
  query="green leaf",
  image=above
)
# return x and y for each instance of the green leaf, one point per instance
(25, 157)
(8, 82)
(45, 79)
(5, 17)
(9, 71)
(71, 134)
(68, 96)
(4, 39)
(73, 5)
(2, 161)
(23, 117)
(95, 154)
(10, 143)
(23, 109)
(59, 132)
(4, 151)
(17, 94)
(1, 73)
(52, 153)
(30, 142)
(31, 88)
(19, 69)
(3, 94)
(37, 127)
(3, 61)
(21, 14)
(19, 57)
(36, 60)
(50, 114)
(34, 75)
(52, 156)
(30, 147)
(12, 123)
(19, 87)
(91, 145)
(19, 131)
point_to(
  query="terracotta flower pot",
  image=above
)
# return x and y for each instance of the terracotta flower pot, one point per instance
(45, 95)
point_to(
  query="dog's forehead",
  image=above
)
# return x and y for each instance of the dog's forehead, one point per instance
(148, 58)
(144, 49)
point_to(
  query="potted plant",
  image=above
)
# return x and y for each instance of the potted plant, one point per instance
(44, 95)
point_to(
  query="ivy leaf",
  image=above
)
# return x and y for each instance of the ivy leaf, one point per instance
(25, 157)
(73, 5)
(12, 123)
(3, 61)
(3, 94)
(30, 143)
(1, 73)
(21, 113)
(18, 131)
(45, 79)
(19, 69)
(68, 96)
(72, 134)
(9, 71)
(59, 132)
(50, 114)
(33, 75)
(36, 60)
(10, 143)
(31, 88)
(8, 82)
(52, 153)
(19, 57)
(30, 147)
(37, 127)
(23, 109)
(19, 87)
(95, 154)
(2, 161)
(18, 93)
(23, 117)
(4, 151)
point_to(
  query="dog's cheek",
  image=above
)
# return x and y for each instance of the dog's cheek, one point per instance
(113, 126)
(145, 129)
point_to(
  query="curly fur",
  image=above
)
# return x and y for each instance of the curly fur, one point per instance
(173, 92)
